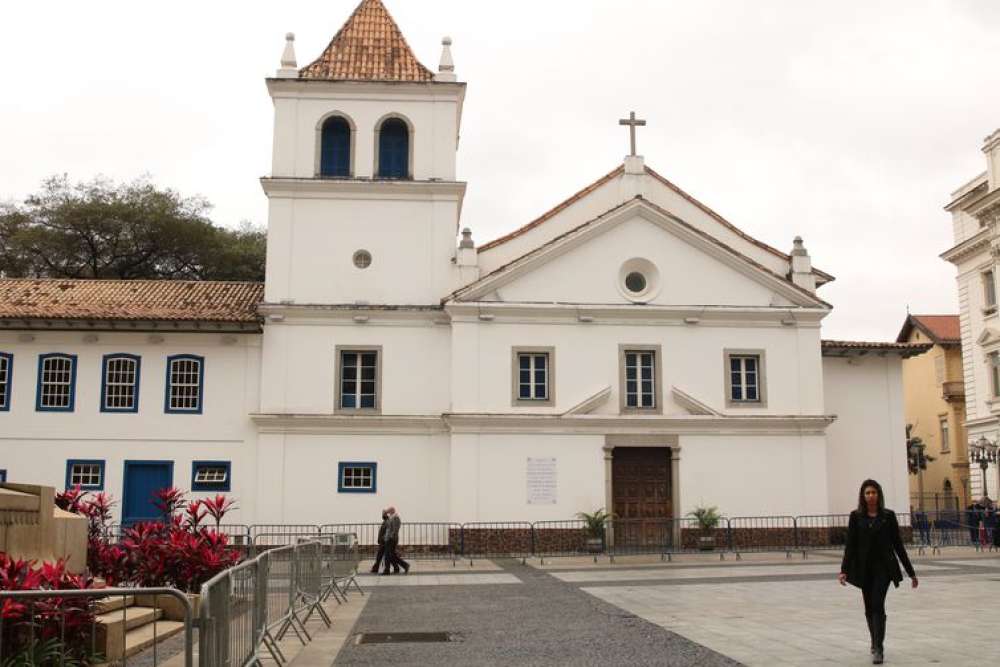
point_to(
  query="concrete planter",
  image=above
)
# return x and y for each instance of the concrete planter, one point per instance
(706, 543)
(595, 545)
(173, 609)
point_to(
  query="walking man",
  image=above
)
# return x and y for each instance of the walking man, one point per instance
(391, 543)
(381, 542)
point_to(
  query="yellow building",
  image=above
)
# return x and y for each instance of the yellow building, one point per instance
(934, 406)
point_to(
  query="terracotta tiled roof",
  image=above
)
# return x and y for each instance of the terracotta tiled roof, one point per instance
(832, 348)
(369, 47)
(146, 300)
(822, 276)
(942, 329)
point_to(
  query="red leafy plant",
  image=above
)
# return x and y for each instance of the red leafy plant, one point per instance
(176, 551)
(47, 631)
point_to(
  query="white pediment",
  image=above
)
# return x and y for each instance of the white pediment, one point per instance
(681, 265)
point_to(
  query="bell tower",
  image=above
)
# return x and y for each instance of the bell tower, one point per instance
(364, 203)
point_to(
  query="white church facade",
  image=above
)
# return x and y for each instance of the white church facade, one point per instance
(629, 349)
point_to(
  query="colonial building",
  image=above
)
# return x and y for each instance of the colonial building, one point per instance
(975, 210)
(629, 349)
(934, 394)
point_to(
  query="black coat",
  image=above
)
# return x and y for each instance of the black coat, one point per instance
(883, 538)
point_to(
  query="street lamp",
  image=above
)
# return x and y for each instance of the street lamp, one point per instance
(984, 453)
(917, 454)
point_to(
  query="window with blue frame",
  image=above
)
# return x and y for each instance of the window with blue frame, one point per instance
(3, 475)
(56, 382)
(211, 476)
(355, 477)
(335, 148)
(394, 149)
(88, 474)
(120, 383)
(185, 384)
(6, 371)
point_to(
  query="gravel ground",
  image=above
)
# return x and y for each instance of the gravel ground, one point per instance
(543, 621)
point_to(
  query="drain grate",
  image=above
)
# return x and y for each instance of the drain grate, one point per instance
(402, 637)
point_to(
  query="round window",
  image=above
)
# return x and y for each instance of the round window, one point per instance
(362, 259)
(635, 282)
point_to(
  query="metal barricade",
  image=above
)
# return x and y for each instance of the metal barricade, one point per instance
(249, 608)
(629, 537)
(497, 539)
(45, 613)
(760, 534)
(567, 538)
(417, 540)
(278, 534)
(820, 532)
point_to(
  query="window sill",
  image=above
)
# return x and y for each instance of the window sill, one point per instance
(989, 312)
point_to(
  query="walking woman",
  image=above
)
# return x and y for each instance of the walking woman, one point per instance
(873, 543)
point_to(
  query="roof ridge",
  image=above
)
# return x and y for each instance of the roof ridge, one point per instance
(558, 208)
(368, 47)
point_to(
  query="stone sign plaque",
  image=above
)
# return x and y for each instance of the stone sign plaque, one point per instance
(541, 478)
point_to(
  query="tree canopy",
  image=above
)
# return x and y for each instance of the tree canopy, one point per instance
(134, 230)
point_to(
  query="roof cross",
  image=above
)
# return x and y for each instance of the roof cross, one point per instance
(632, 124)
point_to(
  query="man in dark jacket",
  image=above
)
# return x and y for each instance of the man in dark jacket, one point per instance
(391, 542)
(381, 542)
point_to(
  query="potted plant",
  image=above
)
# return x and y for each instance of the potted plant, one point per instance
(708, 520)
(594, 524)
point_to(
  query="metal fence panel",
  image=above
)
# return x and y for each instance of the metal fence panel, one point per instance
(497, 539)
(417, 540)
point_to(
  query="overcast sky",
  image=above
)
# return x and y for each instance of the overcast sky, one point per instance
(848, 123)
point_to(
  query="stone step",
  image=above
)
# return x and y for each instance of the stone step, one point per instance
(142, 638)
(109, 604)
(132, 616)
(138, 634)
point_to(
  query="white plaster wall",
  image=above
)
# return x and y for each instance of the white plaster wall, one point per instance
(613, 193)
(34, 446)
(300, 364)
(299, 109)
(489, 476)
(868, 439)
(753, 475)
(312, 241)
(300, 477)
(589, 273)
(586, 361)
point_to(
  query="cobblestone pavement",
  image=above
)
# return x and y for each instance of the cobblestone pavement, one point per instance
(540, 620)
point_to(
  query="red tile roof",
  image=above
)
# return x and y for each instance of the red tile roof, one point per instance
(136, 300)
(369, 47)
(822, 276)
(942, 329)
(847, 347)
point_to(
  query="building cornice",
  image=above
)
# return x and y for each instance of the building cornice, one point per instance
(362, 188)
(363, 90)
(277, 313)
(548, 424)
(967, 247)
(632, 314)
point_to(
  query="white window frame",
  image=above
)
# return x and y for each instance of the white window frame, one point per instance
(50, 378)
(993, 360)
(944, 428)
(175, 403)
(761, 385)
(110, 388)
(656, 376)
(533, 353)
(989, 291)
(79, 471)
(206, 474)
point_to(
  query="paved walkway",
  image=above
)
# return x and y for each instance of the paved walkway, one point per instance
(764, 610)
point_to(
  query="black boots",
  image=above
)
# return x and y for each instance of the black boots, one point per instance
(878, 624)
(871, 630)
